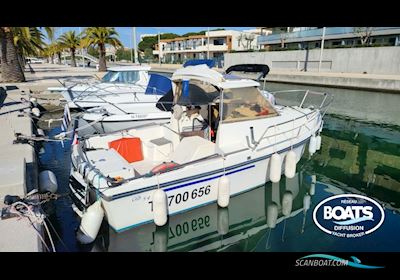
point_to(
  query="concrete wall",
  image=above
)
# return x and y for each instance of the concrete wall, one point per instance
(373, 60)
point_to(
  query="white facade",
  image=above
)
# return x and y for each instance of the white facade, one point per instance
(211, 45)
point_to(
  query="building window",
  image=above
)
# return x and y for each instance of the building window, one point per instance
(219, 42)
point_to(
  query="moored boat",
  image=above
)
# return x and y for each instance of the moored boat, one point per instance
(224, 138)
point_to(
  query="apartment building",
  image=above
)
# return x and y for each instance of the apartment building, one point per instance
(335, 37)
(211, 45)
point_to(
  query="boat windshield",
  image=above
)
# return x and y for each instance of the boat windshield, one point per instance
(121, 77)
(240, 104)
(195, 93)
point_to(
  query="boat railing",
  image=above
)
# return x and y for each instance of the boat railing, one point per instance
(105, 90)
(108, 93)
(253, 144)
(322, 104)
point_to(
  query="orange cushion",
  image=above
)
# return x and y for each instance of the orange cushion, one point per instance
(129, 148)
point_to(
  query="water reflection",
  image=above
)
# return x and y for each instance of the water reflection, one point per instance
(211, 228)
(360, 158)
(372, 106)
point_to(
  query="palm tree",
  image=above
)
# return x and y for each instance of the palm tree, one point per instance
(11, 69)
(27, 41)
(71, 41)
(58, 48)
(100, 37)
(49, 51)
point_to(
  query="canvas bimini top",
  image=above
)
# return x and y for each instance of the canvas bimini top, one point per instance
(129, 68)
(205, 74)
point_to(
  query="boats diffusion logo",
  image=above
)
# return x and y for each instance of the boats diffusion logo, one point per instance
(329, 260)
(348, 215)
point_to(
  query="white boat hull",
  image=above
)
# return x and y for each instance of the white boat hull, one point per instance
(108, 124)
(125, 211)
(202, 229)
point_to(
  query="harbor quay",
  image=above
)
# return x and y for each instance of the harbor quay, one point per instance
(373, 82)
(18, 170)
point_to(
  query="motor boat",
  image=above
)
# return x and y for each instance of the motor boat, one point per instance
(120, 84)
(115, 117)
(224, 138)
(154, 106)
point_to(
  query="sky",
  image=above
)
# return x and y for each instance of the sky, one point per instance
(126, 33)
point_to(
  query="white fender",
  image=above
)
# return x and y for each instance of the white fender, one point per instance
(40, 132)
(36, 112)
(313, 182)
(47, 181)
(290, 164)
(223, 191)
(275, 168)
(287, 203)
(313, 179)
(82, 167)
(90, 223)
(75, 157)
(33, 100)
(312, 146)
(272, 215)
(312, 189)
(160, 209)
(306, 202)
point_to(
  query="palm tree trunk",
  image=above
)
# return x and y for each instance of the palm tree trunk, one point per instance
(11, 70)
(73, 61)
(59, 57)
(52, 58)
(20, 59)
(102, 58)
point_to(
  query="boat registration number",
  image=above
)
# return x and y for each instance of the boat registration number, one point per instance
(185, 196)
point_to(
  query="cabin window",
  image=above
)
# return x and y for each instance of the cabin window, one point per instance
(242, 104)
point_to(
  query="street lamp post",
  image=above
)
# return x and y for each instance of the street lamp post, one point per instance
(134, 45)
(82, 55)
(208, 43)
(131, 48)
(159, 49)
(322, 49)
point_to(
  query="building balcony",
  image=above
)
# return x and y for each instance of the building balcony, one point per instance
(212, 48)
(316, 34)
